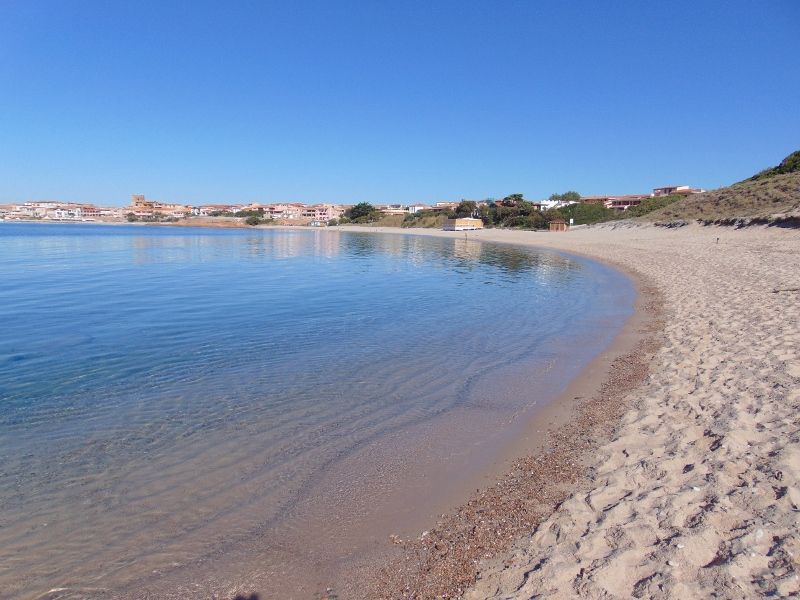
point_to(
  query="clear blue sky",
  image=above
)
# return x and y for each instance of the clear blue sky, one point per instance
(390, 101)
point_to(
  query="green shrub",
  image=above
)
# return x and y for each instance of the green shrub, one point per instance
(249, 213)
(790, 164)
(651, 204)
(363, 212)
(587, 214)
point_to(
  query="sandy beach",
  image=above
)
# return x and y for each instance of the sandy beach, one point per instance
(667, 469)
(399, 301)
(690, 490)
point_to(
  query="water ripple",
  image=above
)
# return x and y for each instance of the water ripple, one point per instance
(160, 387)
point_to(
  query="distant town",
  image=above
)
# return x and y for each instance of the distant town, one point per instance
(290, 213)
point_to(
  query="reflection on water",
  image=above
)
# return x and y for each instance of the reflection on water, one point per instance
(461, 254)
(168, 392)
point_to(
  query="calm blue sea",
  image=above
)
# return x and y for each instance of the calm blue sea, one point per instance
(154, 381)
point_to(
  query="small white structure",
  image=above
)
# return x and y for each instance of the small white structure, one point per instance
(669, 190)
(465, 224)
(549, 204)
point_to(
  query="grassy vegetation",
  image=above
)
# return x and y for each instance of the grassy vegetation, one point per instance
(425, 218)
(771, 194)
(513, 212)
(588, 214)
(790, 164)
(383, 220)
(761, 198)
(132, 218)
(773, 191)
(652, 204)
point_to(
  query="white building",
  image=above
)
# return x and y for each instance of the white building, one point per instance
(393, 209)
(668, 190)
(323, 212)
(548, 204)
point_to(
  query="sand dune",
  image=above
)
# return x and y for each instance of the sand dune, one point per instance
(697, 495)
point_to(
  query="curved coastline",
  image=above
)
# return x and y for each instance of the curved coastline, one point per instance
(692, 493)
(537, 470)
(674, 485)
(455, 484)
(363, 575)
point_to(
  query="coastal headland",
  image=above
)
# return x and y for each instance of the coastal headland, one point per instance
(678, 477)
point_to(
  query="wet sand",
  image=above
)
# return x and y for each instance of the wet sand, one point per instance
(686, 484)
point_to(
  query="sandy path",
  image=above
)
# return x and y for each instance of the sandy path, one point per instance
(698, 493)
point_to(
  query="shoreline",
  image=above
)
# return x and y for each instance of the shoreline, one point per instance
(543, 463)
(557, 412)
(677, 476)
(693, 493)
(453, 482)
(380, 541)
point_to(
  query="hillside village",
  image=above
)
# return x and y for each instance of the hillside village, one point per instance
(290, 213)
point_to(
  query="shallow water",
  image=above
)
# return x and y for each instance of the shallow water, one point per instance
(191, 407)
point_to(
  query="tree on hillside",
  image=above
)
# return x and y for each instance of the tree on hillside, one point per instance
(566, 197)
(513, 211)
(486, 214)
(512, 199)
(360, 210)
(466, 208)
(532, 220)
(526, 208)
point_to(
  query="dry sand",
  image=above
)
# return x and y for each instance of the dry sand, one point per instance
(695, 492)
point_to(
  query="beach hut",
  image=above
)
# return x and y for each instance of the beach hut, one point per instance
(462, 224)
(558, 225)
